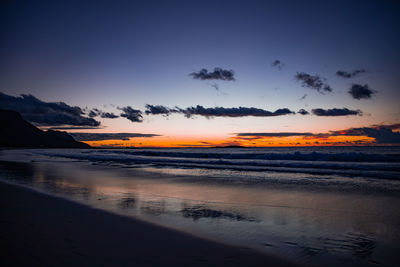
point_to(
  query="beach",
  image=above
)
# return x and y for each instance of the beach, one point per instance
(212, 133)
(200, 207)
(43, 230)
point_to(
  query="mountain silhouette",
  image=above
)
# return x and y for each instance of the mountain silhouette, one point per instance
(17, 132)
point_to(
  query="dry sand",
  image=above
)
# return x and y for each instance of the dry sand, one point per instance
(43, 230)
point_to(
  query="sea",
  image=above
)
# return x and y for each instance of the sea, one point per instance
(331, 206)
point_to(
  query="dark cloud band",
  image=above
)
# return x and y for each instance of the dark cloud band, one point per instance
(336, 112)
(383, 134)
(281, 134)
(108, 136)
(234, 112)
(46, 113)
(216, 112)
(65, 128)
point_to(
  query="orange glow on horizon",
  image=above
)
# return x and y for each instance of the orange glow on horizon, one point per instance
(165, 141)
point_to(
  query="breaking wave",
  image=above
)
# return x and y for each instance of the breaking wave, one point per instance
(367, 163)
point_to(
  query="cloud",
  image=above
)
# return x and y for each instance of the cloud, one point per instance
(108, 136)
(99, 113)
(358, 91)
(217, 89)
(216, 112)
(383, 134)
(303, 97)
(215, 86)
(46, 113)
(313, 82)
(217, 74)
(303, 112)
(336, 112)
(192, 145)
(280, 134)
(134, 115)
(345, 74)
(277, 63)
(108, 115)
(395, 126)
(160, 110)
(233, 112)
(70, 128)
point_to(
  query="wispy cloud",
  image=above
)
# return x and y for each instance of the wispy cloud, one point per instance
(215, 86)
(108, 136)
(217, 74)
(358, 91)
(313, 81)
(278, 64)
(46, 113)
(303, 97)
(134, 115)
(336, 112)
(345, 74)
(217, 89)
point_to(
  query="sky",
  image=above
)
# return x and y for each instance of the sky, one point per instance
(205, 73)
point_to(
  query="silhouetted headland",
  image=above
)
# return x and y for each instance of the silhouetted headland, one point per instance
(17, 132)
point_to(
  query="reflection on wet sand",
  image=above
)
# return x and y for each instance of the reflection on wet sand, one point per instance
(154, 208)
(201, 211)
(309, 225)
(127, 203)
(358, 244)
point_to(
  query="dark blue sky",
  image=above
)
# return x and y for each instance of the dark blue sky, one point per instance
(95, 53)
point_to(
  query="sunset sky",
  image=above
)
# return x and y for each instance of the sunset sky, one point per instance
(210, 72)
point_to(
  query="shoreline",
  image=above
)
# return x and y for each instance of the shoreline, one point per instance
(40, 229)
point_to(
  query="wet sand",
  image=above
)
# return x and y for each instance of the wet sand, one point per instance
(43, 230)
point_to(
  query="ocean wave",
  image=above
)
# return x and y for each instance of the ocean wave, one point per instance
(299, 156)
(384, 170)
